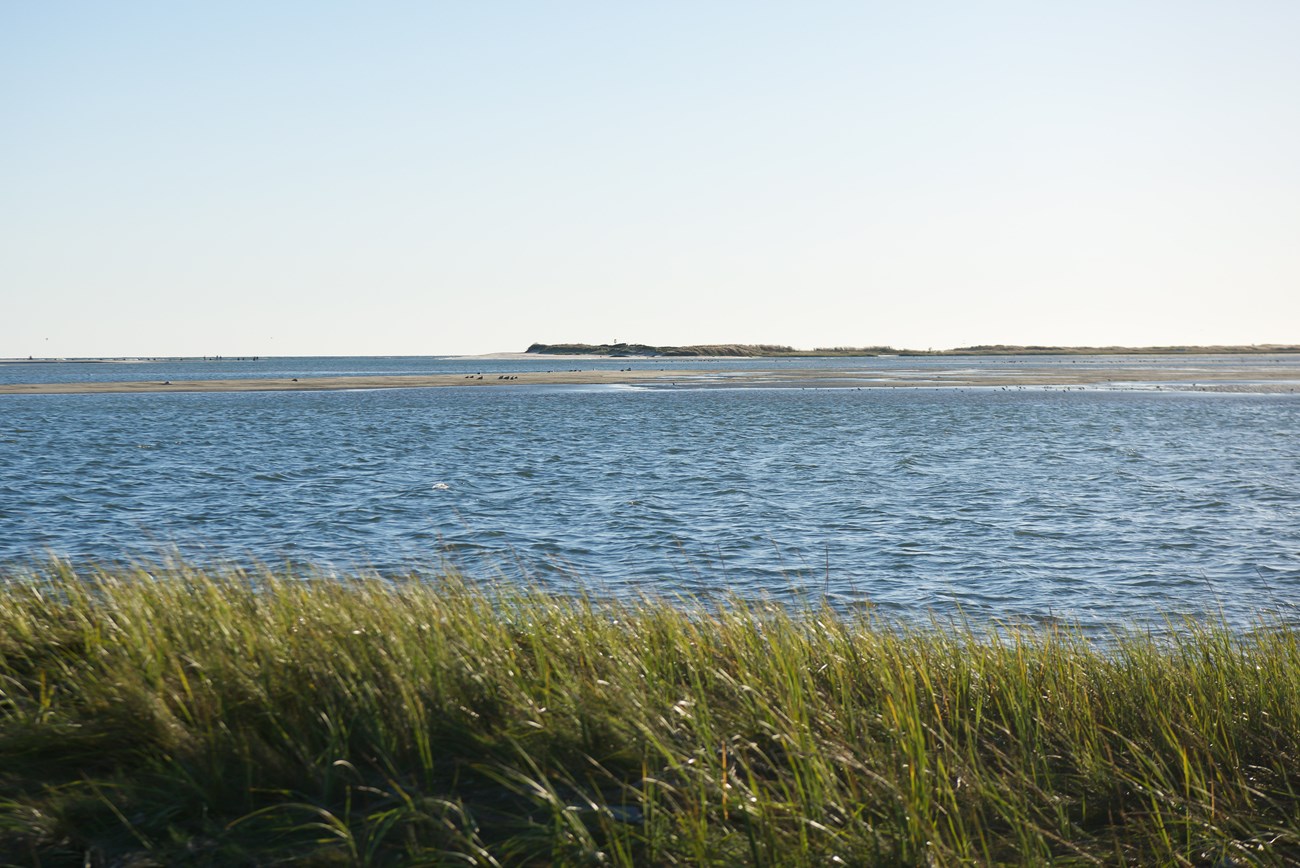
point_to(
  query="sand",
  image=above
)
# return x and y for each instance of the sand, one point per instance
(307, 384)
(1165, 373)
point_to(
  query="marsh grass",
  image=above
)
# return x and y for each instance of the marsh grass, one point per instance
(192, 717)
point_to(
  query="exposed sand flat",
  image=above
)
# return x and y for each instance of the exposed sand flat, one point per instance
(1270, 377)
(377, 381)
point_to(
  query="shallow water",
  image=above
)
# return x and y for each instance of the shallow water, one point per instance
(900, 368)
(1103, 508)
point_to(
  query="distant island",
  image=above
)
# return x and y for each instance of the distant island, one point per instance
(777, 350)
(735, 350)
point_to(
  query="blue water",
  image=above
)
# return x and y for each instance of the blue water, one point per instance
(1102, 508)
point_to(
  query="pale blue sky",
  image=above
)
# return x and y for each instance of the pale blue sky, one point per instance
(426, 178)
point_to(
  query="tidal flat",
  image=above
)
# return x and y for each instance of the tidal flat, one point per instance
(187, 715)
(1274, 374)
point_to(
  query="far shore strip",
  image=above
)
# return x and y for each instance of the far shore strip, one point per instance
(1263, 378)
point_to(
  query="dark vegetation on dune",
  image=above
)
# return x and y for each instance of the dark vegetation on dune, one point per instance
(1015, 350)
(647, 350)
(776, 350)
(182, 716)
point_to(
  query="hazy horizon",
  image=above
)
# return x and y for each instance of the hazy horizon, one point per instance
(427, 179)
(129, 356)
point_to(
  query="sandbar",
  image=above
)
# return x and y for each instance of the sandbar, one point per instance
(365, 381)
(1265, 376)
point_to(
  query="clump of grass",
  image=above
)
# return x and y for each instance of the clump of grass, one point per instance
(190, 717)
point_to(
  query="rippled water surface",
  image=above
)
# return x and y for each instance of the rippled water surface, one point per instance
(1098, 507)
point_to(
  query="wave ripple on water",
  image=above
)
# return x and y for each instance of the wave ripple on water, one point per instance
(1100, 508)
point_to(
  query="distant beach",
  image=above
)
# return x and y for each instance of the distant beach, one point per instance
(1274, 374)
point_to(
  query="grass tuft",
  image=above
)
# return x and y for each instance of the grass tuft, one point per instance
(184, 716)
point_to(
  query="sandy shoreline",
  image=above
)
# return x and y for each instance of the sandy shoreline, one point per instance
(1263, 378)
(367, 381)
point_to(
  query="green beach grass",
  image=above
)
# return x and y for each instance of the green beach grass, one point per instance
(183, 716)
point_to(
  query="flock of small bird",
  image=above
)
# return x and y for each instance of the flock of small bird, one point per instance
(478, 375)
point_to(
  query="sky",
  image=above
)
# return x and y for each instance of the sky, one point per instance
(427, 178)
